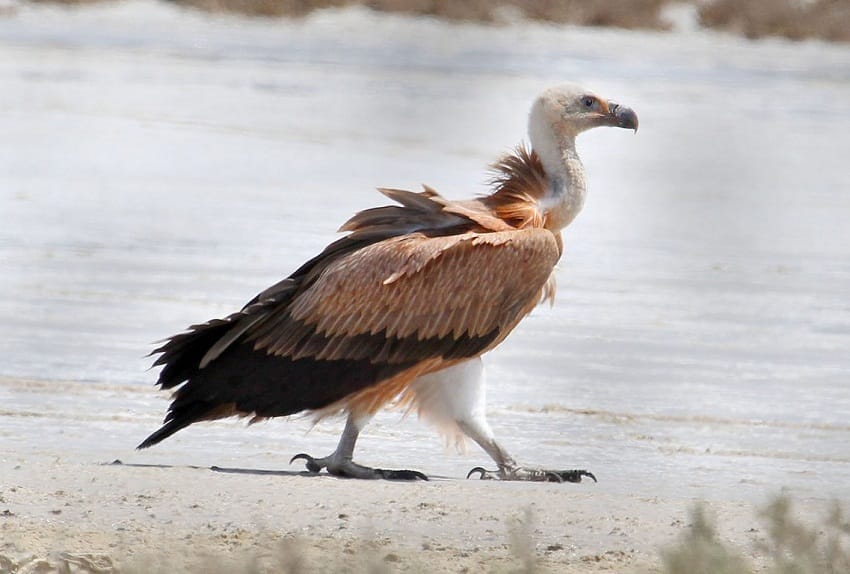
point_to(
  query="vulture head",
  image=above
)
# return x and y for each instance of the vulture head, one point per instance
(567, 110)
(557, 116)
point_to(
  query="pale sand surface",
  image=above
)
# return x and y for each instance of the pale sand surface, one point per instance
(168, 509)
(64, 500)
(175, 517)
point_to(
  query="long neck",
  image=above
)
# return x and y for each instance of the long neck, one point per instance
(565, 196)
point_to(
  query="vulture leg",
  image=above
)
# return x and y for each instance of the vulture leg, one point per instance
(340, 463)
(456, 397)
(508, 469)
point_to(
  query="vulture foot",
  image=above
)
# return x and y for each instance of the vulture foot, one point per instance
(531, 474)
(346, 468)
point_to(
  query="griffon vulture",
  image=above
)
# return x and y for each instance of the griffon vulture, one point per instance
(401, 309)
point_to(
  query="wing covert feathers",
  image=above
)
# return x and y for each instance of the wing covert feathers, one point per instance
(415, 286)
(411, 289)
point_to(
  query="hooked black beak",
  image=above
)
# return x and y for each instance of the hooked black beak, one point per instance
(623, 117)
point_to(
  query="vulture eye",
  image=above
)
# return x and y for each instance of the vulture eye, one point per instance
(587, 101)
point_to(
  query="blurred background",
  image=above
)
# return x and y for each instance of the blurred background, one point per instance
(163, 162)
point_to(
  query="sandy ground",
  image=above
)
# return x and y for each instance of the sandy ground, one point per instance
(160, 518)
(67, 502)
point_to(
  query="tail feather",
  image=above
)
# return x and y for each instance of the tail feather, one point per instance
(182, 415)
(181, 355)
(164, 432)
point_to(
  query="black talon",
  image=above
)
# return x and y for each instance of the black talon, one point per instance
(312, 465)
(400, 474)
(575, 475)
(479, 469)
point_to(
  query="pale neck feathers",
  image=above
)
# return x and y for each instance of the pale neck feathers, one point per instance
(531, 189)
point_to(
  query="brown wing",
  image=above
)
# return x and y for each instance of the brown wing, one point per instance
(355, 318)
(414, 289)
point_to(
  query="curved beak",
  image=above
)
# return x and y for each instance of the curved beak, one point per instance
(622, 117)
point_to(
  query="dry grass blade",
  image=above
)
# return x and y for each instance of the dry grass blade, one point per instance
(700, 551)
(791, 546)
(795, 548)
(522, 542)
(795, 19)
(618, 13)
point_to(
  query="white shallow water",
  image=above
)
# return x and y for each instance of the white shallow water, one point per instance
(159, 167)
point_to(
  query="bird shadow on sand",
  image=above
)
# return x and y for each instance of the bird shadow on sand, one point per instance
(249, 471)
(226, 470)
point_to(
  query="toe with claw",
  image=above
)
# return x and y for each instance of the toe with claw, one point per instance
(313, 465)
(531, 474)
(570, 475)
(484, 474)
(347, 468)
